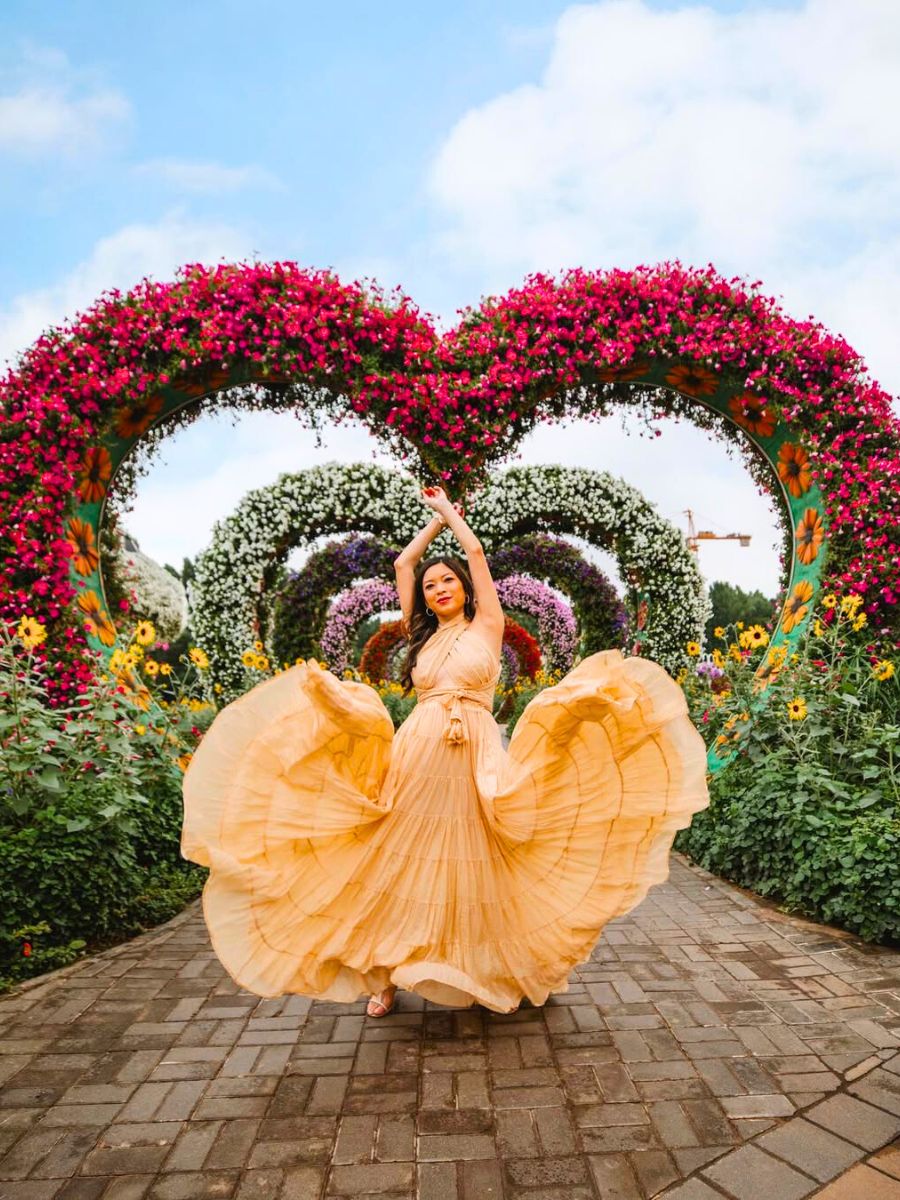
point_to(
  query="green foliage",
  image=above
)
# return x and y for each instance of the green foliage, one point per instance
(90, 814)
(731, 604)
(809, 811)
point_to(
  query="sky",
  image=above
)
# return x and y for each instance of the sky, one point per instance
(451, 150)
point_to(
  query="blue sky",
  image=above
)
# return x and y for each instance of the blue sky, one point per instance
(452, 149)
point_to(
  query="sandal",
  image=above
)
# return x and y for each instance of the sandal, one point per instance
(379, 1003)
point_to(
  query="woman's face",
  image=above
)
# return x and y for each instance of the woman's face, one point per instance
(443, 591)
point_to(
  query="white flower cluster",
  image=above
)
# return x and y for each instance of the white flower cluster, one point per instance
(159, 596)
(652, 555)
(238, 568)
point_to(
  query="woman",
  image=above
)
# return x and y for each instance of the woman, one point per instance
(347, 860)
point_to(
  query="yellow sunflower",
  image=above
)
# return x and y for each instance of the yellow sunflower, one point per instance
(829, 600)
(165, 669)
(199, 658)
(719, 632)
(145, 634)
(693, 649)
(797, 709)
(248, 659)
(796, 607)
(151, 667)
(31, 632)
(883, 670)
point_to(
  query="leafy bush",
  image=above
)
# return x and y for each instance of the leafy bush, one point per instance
(90, 807)
(808, 812)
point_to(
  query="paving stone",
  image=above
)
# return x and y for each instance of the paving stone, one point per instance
(815, 1150)
(370, 1179)
(854, 1120)
(436, 1181)
(881, 1088)
(614, 1177)
(749, 1172)
(757, 1106)
(454, 1147)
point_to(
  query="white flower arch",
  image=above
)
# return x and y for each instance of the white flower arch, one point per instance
(238, 568)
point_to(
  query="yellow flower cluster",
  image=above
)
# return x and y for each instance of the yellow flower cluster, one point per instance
(254, 661)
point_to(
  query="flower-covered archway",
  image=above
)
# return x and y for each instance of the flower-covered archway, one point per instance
(813, 427)
(300, 608)
(234, 575)
(557, 630)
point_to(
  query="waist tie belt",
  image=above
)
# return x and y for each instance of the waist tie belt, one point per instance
(452, 698)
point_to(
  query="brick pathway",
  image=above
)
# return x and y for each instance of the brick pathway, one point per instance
(711, 1047)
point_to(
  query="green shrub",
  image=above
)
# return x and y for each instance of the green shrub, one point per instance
(90, 811)
(808, 812)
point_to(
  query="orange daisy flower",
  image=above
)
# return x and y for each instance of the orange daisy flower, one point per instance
(633, 370)
(89, 603)
(793, 468)
(95, 473)
(810, 536)
(80, 536)
(751, 412)
(797, 605)
(137, 416)
(694, 380)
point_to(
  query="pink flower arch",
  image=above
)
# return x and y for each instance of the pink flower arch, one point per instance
(813, 427)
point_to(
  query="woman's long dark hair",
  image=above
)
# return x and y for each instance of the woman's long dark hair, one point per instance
(423, 621)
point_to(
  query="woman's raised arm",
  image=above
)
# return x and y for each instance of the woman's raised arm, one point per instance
(489, 613)
(405, 566)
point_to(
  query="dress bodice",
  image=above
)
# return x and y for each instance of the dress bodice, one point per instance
(454, 666)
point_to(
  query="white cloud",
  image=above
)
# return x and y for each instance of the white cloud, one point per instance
(175, 506)
(761, 141)
(46, 107)
(207, 177)
(117, 261)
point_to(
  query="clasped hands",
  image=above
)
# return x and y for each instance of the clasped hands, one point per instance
(438, 500)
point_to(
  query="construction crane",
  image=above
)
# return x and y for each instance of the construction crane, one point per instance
(693, 538)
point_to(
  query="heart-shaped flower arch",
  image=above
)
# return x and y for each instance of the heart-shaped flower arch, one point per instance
(795, 398)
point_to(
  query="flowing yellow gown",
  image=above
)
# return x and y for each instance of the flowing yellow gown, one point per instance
(344, 857)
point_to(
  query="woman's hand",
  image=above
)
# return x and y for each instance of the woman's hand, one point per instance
(436, 498)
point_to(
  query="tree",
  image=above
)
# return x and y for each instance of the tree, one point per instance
(731, 604)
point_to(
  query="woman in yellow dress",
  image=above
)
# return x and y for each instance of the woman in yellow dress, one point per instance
(348, 860)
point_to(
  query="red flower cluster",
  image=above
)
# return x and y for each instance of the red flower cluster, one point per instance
(458, 402)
